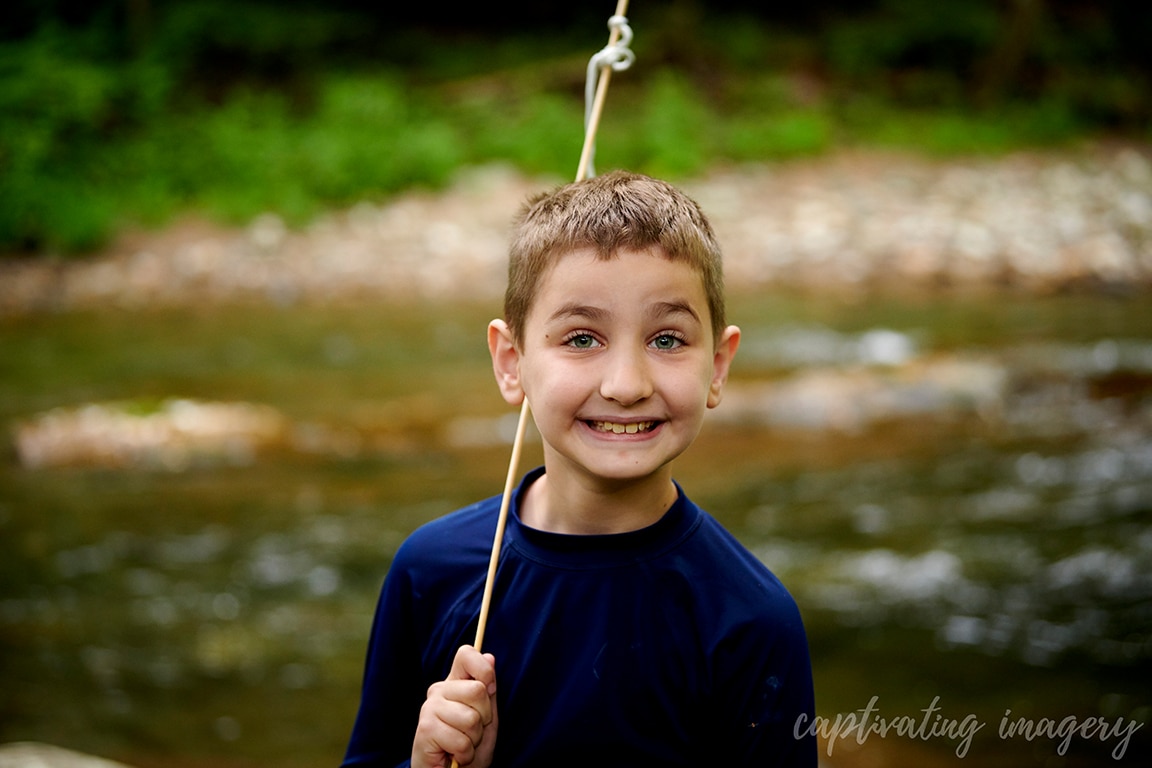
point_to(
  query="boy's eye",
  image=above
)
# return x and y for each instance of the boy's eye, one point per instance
(666, 341)
(582, 341)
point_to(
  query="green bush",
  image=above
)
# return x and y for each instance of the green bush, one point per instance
(232, 109)
(58, 113)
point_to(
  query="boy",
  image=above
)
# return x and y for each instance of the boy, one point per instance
(627, 627)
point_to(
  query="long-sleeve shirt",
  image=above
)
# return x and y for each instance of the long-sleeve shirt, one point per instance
(671, 645)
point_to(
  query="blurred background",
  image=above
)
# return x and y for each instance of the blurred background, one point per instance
(248, 251)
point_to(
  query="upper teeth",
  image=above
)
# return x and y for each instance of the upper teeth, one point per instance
(620, 429)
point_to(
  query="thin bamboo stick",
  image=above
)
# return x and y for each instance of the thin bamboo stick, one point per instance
(501, 521)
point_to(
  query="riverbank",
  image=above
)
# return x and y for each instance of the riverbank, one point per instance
(849, 222)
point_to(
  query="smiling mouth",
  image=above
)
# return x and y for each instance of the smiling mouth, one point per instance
(631, 428)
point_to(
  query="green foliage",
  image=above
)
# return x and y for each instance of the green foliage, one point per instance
(954, 131)
(794, 133)
(666, 132)
(233, 109)
(57, 113)
(913, 35)
(776, 121)
(217, 45)
(542, 133)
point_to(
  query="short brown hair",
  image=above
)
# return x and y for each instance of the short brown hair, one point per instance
(606, 213)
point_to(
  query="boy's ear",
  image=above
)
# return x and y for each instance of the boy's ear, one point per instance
(505, 361)
(721, 362)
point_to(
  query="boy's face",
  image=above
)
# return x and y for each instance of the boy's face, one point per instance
(618, 361)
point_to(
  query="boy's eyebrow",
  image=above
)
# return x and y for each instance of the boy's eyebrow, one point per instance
(665, 308)
(657, 310)
(575, 309)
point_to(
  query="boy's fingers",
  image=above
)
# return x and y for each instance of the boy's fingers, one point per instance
(443, 739)
(449, 728)
(473, 700)
(458, 718)
(470, 664)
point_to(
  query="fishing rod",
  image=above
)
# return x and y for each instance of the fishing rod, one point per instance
(616, 56)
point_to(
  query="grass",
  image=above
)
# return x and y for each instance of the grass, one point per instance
(369, 135)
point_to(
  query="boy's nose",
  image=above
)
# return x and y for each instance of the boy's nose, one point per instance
(627, 379)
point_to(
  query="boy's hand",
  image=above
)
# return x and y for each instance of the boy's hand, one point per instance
(458, 720)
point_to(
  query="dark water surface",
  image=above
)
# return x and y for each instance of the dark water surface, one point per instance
(958, 492)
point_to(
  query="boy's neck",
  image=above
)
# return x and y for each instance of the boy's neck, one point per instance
(563, 503)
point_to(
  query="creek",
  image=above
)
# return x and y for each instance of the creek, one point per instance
(957, 490)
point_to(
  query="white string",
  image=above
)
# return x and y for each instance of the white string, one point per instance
(617, 56)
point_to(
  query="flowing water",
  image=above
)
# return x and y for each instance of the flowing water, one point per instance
(958, 492)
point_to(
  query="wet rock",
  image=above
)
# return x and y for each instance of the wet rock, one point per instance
(855, 398)
(28, 754)
(171, 436)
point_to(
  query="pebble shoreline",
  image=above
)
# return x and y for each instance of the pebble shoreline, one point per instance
(848, 222)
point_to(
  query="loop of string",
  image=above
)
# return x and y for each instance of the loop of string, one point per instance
(616, 56)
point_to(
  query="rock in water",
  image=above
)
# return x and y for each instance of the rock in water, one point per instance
(28, 754)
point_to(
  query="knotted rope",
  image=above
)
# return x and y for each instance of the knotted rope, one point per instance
(614, 57)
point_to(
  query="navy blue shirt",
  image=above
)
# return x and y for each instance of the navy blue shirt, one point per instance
(671, 645)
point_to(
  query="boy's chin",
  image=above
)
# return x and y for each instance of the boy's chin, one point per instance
(620, 472)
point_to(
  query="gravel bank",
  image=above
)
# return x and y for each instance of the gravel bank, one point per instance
(848, 222)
